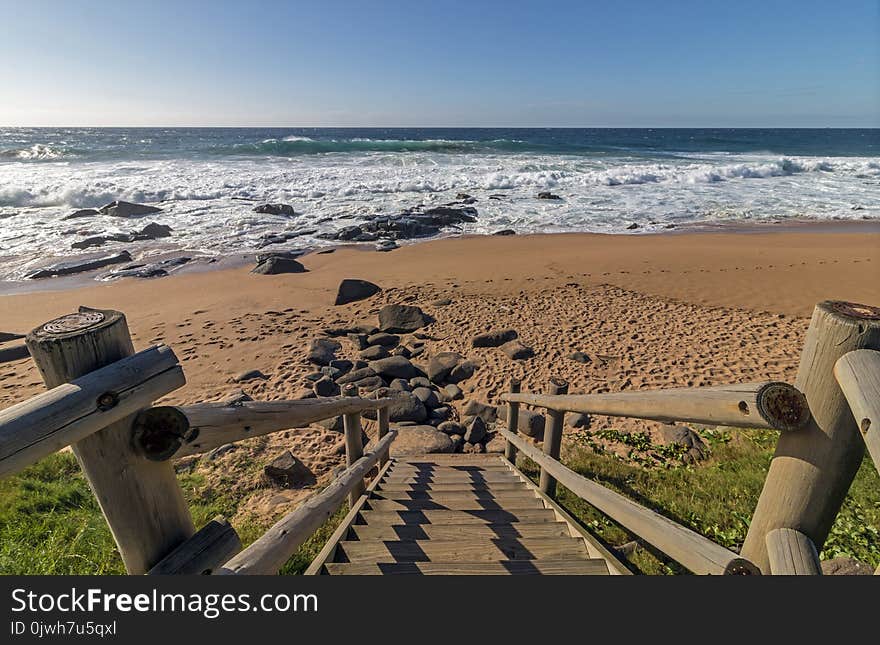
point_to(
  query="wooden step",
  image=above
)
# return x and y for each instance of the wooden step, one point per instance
(477, 550)
(453, 504)
(591, 567)
(458, 468)
(457, 531)
(454, 487)
(457, 517)
(455, 459)
(491, 478)
(441, 497)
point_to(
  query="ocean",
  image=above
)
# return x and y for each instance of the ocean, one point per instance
(208, 180)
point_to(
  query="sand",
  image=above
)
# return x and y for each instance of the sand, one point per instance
(650, 311)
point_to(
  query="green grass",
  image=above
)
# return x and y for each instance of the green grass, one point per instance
(51, 524)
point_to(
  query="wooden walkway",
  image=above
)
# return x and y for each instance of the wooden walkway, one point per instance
(459, 515)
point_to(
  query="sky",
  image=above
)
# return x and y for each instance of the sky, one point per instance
(420, 63)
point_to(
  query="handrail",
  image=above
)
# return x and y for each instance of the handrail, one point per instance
(692, 550)
(858, 374)
(792, 553)
(171, 432)
(770, 405)
(269, 553)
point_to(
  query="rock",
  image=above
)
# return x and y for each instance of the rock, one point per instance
(386, 245)
(333, 424)
(400, 350)
(70, 267)
(356, 375)
(475, 448)
(151, 231)
(326, 387)
(403, 407)
(683, 436)
(330, 372)
(441, 365)
(322, 351)
(548, 195)
(401, 318)
(249, 375)
(370, 383)
(289, 254)
(386, 340)
(360, 340)
(439, 414)
(156, 270)
(493, 338)
(632, 227)
(442, 302)
(83, 212)
(452, 427)
(351, 290)
(420, 381)
(489, 413)
(515, 350)
(400, 385)
(530, 423)
(342, 365)
(505, 232)
(374, 353)
(579, 357)
(578, 420)
(457, 442)
(219, 451)
(426, 396)
(288, 471)
(7, 336)
(276, 264)
(154, 231)
(453, 392)
(496, 444)
(843, 566)
(127, 209)
(462, 372)
(394, 367)
(420, 440)
(314, 376)
(275, 209)
(476, 431)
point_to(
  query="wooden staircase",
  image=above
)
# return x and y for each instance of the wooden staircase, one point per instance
(459, 515)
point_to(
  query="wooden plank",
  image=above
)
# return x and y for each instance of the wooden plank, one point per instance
(506, 516)
(512, 420)
(552, 442)
(453, 505)
(354, 446)
(446, 458)
(447, 478)
(141, 499)
(510, 567)
(458, 531)
(441, 497)
(792, 553)
(72, 411)
(771, 405)
(461, 486)
(269, 553)
(482, 550)
(211, 546)
(858, 374)
(690, 549)
(812, 469)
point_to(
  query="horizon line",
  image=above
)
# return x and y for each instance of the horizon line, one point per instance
(463, 127)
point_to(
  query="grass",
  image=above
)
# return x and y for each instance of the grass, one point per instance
(51, 524)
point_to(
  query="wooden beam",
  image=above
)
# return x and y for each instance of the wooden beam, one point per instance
(269, 553)
(354, 443)
(384, 426)
(770, 405)
(70, 412)
(212, 545)
(512, 421)
(858, 374)
(206, 426)
(812, 469)
(693, 551)
(140, 499)
(791, 553)
(553, 437)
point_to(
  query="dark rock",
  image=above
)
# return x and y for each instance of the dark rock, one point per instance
(219, 451)
(400, 385)
(401, 350)
(394, 367)
(275, 209)
(578, 420)
(420, 440)
(420, 381)
(356, 375)
(70, 267)
(326, 387)
(386, 340)
(843, 566)
(333, 424)
(495, 443)
(462, 372)
(517, 351)
(275, 265)
(696, 448)
(249, 375)
(548, 195)
(426, 396)
(632, 227)
(453, 392)
(323, 350)
(127, 209)
(288, 471)
(476, 431)
(374, 353)
(403, 407)
(505, 232)
(483, 410)
(289, 255)
(83, 212)
(360, 340)
(330, 372)
(353, 290)
(387, 245)
(439, 414)
(154, 231)
(579, 357)
(342, 365)
(314, 376)
(494, 338)
(442, 302)
(452, 427)
(402, 319)
(440, 366)
(151, 231)
(530, 423)
(370, 383)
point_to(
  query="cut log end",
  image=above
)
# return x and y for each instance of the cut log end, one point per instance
(851, 310)
(741, 567)
(74, 324)
(159, 432)
(782, 406)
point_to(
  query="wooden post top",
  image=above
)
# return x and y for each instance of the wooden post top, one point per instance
(84, 320)
(850, 310)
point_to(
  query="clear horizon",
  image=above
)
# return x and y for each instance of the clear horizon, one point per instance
(450, 64)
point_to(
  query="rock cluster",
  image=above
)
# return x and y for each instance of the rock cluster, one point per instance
(414, 223)
(275, 209)
(151, 231)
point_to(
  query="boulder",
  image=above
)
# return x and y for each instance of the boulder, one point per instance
(384, 246)
(420, 381)
(496, 443)
(83, 212)
(579, 357)
(248, 375)
(400, 385)
(548, 195)
(288, 471)
(403, 407)
(276, 264)
(493, 338)
(326, 387)
(151, 231)
(453, 392)
(351, 290)
(426, 396)
(356, 375)
(333, 424)
(530, 423)
(633, 227)
(275, 209)
(394, 367)
(515, 350)
(440, 366)
(402, 319)
(578, 420)
(476, 431)
(489, 413)
(696, 448)
(370, 383)
(440, 413)
(342, 365)
(374, 353)
(386, 340)
(420, 440)
(452, 427)
(70, 267)
(323, 350)
(401, 350)
(442, 302)
(505, 232)
(462, 371)
(127, 209)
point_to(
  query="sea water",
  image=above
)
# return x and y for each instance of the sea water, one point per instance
(208, 180)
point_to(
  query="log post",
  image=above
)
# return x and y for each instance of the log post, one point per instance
(791, 553)
(512, 421)
(354, 443)
(141, 499)
(553, 437)
(812, 469)
(382, 416)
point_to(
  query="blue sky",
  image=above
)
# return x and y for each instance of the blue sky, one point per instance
(442, 63)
